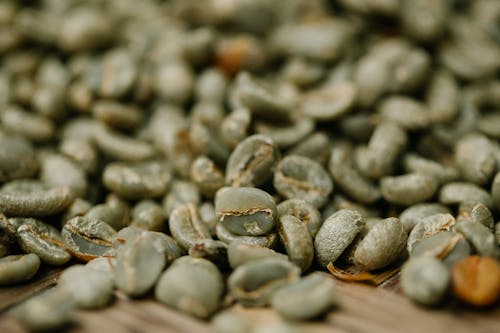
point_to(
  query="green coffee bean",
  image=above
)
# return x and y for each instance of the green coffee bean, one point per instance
(497, 233)
(79, 207)
(245, 211)
(17, 158)
(18, 268)
(335, 235)
(88, 288)
(23, 186)
(239, 253)
(413, 12)
(303, 178)
(446, 245)
(349, 179)
(235, 127)
(117, 115)
(474, 157)
(386, 142)
(257, 97)
(212, 250)
(297, 241)
(286, 134)
(408, 189)
(49, 311)
(174, 81)
(428, 226)
(138, 180)
(458, 192)
(181, 192)
(120, 147)
(252, 161)
(103, 264)
(425, 280)
(405, 112)
(88, 238)
(82, 152)
(481, 238)
(341, 202)
(57, 170)
(205, 140)
(191, 285)
(495, 191)
(33, 127)
(302, 72)
(302, 210)
(305, 299)
(38, 203)
(443, 174)
(329, 102)
(42, 239)
(138, 265)
(382, 245)
(414, 214)
(442, 97)
(229, 321)
(186, 226)
(206, 176)
(481, 214)
(228, 237)
(357, 126)
(114, 212)
(489, 124)
(148, 215)
(254, 283)
(211, 86)
(208, 216)
(316, 146)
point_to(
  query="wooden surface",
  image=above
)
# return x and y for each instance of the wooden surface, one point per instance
(362, 309)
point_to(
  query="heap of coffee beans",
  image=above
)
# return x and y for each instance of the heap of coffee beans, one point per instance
(211, 152)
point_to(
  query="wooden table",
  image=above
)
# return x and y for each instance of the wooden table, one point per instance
(363, 309)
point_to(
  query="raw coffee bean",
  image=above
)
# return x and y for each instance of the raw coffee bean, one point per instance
(228, 237)
(297, 241)
(103, 264)
(316, 147)
(17, 158)
(302, 178)
(245, 211)
(240, 253)
(358, 126)
(329, 102)
(336, 234)
(79, 207)
(286, 134)
(254, 283)
(57, 171)
(481, 238)
(138, 266)
(489, 124)
(347, 177)
(212, 250)
(235, 127)
(120, 147)
(117, 115)
(148, 215)
(89, 288)
(49, 311)
(229, 321)
(428, 226)
(191, 285)
(186, 226)
(211, 86)
(208, 216)
(404, 111)
(33, 127)
(413, 214)
(443, 174)
(18, 268)
(88, 238)
(459, 192)
(377, 160)
(475, 159)
(252, 161)
(207, 176)
(115, 212)
(304, 211)
(495, 191)
(137, 181)
(442, 97)
(382, 245)
(448, 246)
(23, 186)
(118, 73)
(181, 192)
(174, 81)
(409, 189)
(82, 152)
(476, 280)
(425, 280)
(302, 72)
(42, 239)
(481, 214)
(259, 99)
(306, 298)
(37, 203)
(423, 20)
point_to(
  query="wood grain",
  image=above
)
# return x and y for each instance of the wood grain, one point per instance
(363, 309)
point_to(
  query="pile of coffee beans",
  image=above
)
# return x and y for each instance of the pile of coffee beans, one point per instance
(212, 152)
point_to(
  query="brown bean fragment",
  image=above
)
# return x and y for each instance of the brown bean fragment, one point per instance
(476, 280)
